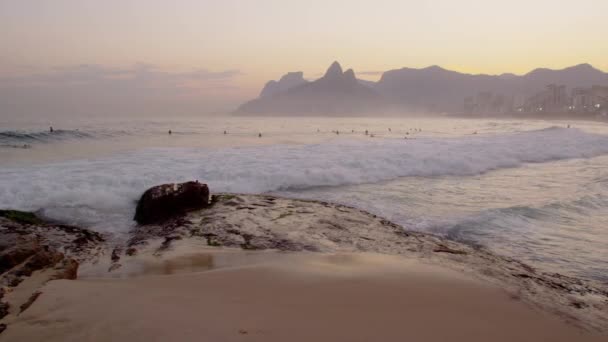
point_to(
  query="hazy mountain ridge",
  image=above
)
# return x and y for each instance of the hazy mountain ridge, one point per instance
(289, 80)
(431, 89)
(337, 92)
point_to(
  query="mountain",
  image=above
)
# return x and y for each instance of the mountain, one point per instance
(440, 90)
(337, 92)
(431, 89)
(288, 81)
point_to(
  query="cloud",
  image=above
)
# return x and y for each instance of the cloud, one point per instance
(93, 88)
(137, 75)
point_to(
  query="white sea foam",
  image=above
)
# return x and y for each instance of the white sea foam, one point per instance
(102, 192)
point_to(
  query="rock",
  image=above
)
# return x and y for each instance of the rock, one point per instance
(45, 257)
(30, 301)
(166, 201)
(17, 254)
(3, 309)
(66, 269)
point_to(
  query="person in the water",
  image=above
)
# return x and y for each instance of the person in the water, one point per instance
(170, 132)
(51, 129)
(259, 135)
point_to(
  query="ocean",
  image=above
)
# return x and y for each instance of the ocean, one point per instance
(533, 190)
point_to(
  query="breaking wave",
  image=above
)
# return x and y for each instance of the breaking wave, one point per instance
(18, 139)
(24, 137)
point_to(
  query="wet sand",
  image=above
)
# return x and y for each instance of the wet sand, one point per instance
(286, 297)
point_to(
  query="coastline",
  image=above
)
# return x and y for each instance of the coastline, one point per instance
(256, 239)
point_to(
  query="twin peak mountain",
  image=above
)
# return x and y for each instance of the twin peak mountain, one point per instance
(431, 89)
(337, 92)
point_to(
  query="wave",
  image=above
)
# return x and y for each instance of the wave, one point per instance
(554, 235)
(19, 138)
(88, 189)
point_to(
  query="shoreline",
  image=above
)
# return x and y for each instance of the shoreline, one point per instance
(263, 230)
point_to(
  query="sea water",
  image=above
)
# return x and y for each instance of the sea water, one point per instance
(530, 189)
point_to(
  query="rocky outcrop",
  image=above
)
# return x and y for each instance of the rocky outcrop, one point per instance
(257, 222)
(261, 222)
(29, 244)
(167, 201)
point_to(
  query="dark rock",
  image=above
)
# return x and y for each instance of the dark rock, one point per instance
(17, 254)
(67, 269)
(446, 249)
(3, 309)
(166, 201)
(30, 301)
(115, 255)
(45, 257)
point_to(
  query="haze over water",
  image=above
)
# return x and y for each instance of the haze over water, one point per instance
(531, 189)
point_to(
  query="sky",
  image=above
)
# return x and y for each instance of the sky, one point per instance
(190, 56)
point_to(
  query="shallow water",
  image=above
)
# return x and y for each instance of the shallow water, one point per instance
(530, 189)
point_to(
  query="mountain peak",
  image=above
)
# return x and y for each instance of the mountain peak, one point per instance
(434, 68)
(584, 66)
(334, 70)
(349, 75)
(286, 82)
(292, 76)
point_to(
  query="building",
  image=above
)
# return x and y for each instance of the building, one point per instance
(590, 100)
(553, 99)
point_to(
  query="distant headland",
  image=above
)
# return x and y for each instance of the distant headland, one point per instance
(581, 90)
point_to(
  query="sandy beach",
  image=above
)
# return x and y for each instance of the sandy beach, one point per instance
(286, 297)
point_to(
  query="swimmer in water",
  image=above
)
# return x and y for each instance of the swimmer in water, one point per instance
(225, 133)
(51, 129)
(259, 135)
(366, 132)
(170, 132)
